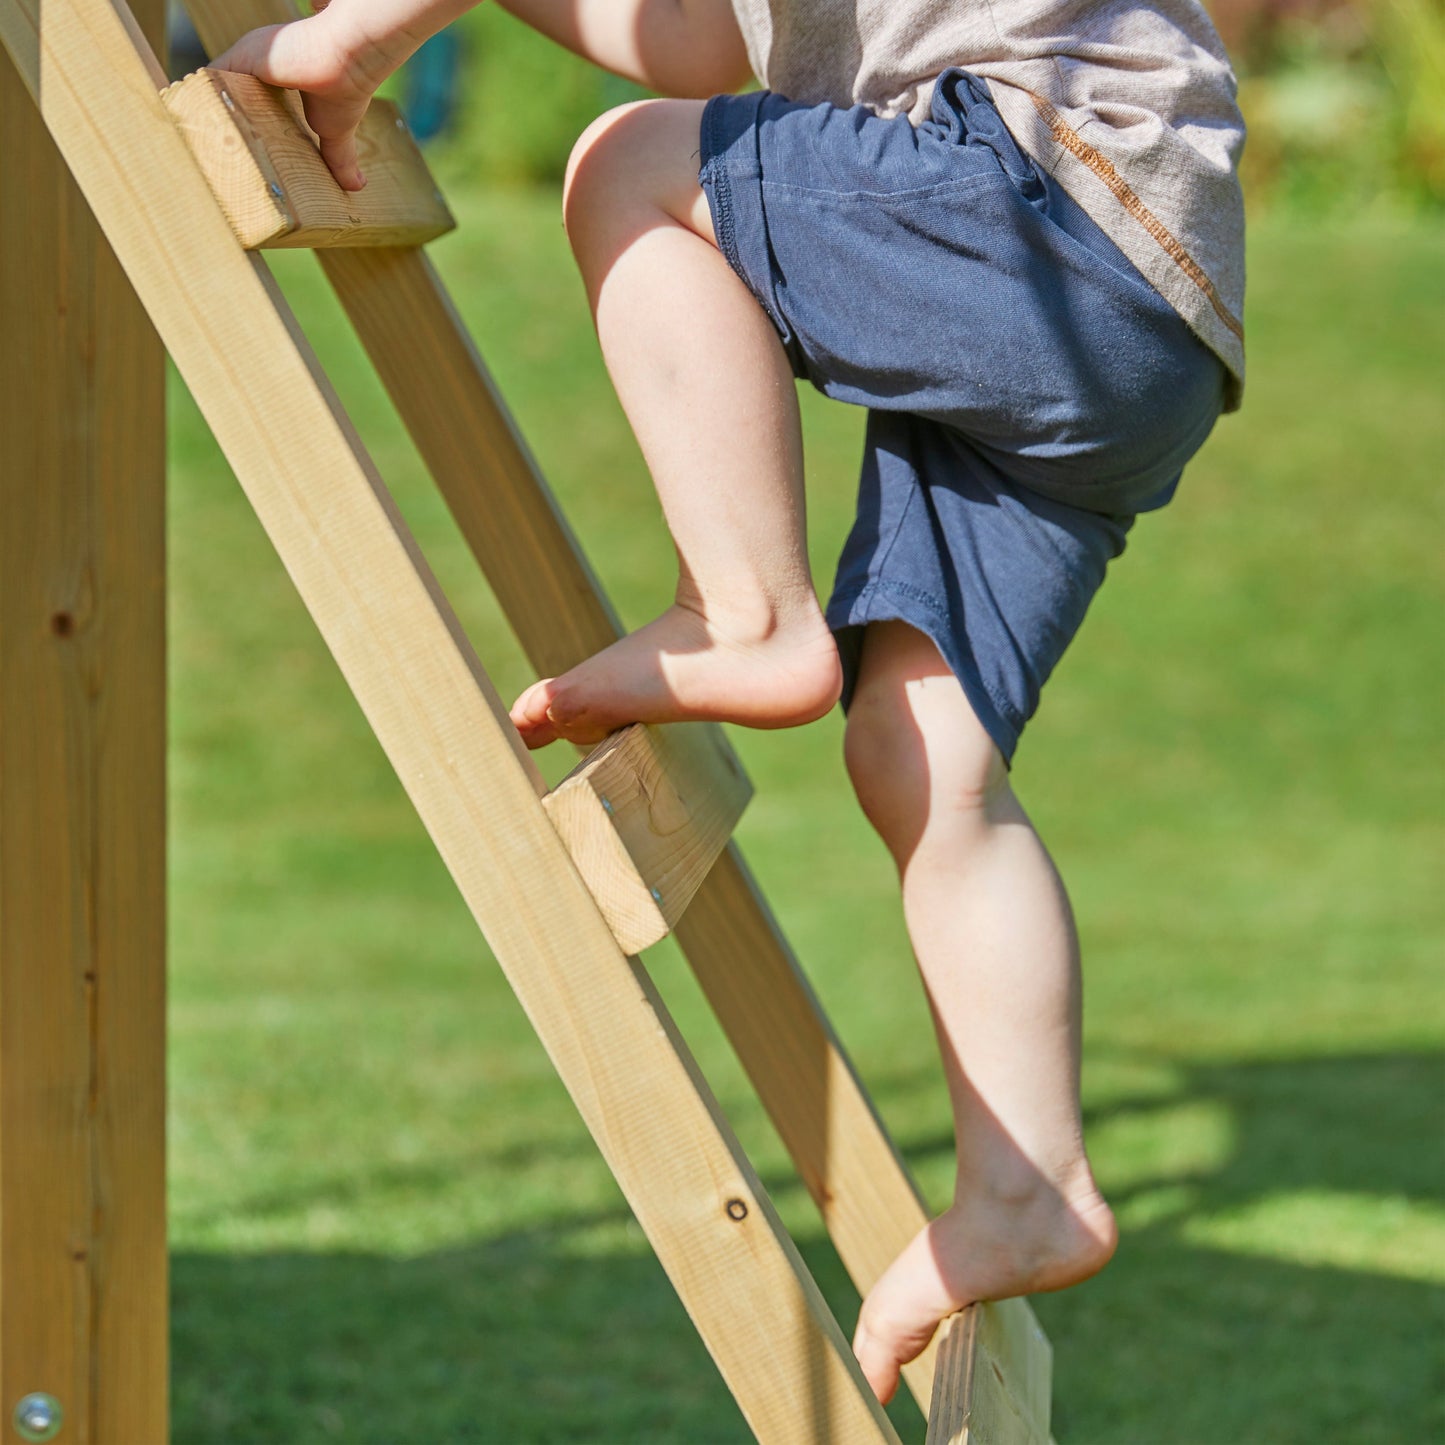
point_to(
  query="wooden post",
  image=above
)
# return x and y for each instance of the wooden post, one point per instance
(82, 809)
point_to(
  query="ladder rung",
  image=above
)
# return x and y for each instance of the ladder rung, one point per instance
(261, 161)
(992, 1380)
(644, 816)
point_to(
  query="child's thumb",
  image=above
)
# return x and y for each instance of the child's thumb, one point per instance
(251, 55)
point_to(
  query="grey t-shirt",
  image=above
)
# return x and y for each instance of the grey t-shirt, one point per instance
(1130, 106)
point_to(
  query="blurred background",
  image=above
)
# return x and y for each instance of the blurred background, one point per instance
(387, 1221)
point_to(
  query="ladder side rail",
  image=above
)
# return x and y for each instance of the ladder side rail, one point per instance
(556, 605)
(749, 974)
(507, 514)
(442, 726)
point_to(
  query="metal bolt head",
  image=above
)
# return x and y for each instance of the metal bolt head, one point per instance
(656, 896)
(276, 190)
(38, 1417)
(607, 805)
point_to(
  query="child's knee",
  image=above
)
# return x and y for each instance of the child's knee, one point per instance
(639, 157)
(595, 161)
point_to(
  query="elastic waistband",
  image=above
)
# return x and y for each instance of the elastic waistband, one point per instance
(963, 113)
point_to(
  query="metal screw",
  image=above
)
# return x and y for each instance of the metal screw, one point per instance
(276, 190)
(400, 123)
(38, 1416)
(227, 101)
(656, 896)
(607, 805)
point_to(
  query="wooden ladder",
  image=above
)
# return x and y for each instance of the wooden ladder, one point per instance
(186, 182)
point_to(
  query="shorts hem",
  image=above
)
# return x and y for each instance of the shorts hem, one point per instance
(717, 185)
(881, 601)
(728, 132)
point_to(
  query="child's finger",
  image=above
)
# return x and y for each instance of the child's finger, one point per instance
(339, 153)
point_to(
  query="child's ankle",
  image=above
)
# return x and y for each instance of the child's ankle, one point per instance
(1043, 1236)
(1017, 1184)
(751, 615)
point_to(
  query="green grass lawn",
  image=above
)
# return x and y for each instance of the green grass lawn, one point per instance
(388, 1223)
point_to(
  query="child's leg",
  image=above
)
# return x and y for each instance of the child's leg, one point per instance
(995, 941)
(703, 378)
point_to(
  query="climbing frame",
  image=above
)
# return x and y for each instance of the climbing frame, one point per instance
(564, 885)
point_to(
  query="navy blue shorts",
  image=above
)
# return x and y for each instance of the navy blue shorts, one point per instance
(1028, 391)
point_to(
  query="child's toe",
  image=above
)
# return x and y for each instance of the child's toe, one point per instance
(530, 715)
(877, 1361)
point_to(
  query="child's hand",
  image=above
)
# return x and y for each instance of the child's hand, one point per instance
(335, 70)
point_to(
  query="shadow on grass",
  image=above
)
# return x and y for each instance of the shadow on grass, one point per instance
(1264, 1339)
(520, 1339)
(532, 1337)
(525, 1338)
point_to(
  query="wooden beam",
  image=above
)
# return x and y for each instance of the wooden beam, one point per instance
(992, 1381)
(260, 158)
(82, 809)
(750, 975)
(551, 597)
(512, 523)
(743, 962)
(644, 816)
(445, 731)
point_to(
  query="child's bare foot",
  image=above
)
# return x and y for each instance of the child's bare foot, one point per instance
(684, 666)
(981, 1249)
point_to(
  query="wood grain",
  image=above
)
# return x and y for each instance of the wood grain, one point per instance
(644, 815)
(260, 159)
(992, 1381)
(948, 1414)
(83, 1285)
(445, 731)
